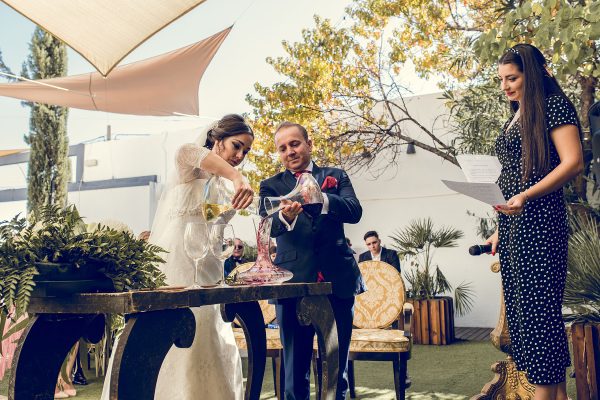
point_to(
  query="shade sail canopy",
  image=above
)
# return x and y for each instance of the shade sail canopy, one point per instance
(103, 31)
(160, 86)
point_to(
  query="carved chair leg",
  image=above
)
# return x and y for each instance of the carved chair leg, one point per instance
(144, 343)
(43, 347)
(351, 379)
(316, 310)
(251, 318)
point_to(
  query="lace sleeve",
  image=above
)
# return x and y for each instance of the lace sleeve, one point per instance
(188, 159)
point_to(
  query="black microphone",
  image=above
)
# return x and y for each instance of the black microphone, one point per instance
(480, 249)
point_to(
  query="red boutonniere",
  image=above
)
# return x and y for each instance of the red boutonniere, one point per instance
(329, 183)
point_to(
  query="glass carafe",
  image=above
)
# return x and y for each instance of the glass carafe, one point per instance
(306, 192)
(263, 271)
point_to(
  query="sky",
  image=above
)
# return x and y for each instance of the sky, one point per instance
(260, 27)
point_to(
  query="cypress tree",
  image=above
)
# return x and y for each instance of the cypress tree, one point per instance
(49, 168)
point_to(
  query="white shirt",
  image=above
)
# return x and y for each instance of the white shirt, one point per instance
(376, 257)
(324, 210)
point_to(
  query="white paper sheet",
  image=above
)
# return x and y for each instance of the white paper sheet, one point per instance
(480, 168)
(489, 193)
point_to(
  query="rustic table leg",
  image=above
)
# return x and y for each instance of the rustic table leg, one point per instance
(43, 347)
(142, 347)
(251, 317)
(316, 310)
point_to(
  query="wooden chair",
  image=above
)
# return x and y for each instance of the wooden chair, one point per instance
(382, 322)
(274, 347)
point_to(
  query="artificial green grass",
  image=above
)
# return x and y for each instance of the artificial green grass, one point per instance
(458, 371)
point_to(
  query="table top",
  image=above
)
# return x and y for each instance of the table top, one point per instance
(170, 297)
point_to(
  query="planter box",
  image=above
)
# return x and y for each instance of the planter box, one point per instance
(433, 321)
(586, 359)
(55, 280)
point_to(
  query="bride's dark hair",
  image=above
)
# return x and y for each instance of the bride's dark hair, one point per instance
(229, 125)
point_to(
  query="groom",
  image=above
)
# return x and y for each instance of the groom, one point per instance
(314, 249)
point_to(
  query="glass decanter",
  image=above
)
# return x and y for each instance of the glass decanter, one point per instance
(308, 193)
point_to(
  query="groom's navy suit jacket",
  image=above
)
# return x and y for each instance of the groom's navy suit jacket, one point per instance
(319, 244)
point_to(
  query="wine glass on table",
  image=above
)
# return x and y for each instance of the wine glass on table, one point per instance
(221, 243)
(196, 244)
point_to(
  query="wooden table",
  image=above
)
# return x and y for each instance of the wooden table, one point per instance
(156, 320)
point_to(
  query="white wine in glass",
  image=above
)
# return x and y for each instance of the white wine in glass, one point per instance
(213, 211)
(195, 244)
(216, 200)
(221, 238)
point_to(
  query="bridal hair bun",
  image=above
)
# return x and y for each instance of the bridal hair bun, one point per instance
(229, 125)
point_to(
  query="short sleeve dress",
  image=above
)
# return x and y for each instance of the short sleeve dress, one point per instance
(533, 256)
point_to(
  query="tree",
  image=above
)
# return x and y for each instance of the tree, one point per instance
(3, 67)
(49, 169)
(341, 83)
(436, 35)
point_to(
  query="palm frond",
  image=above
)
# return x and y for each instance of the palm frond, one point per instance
(446, 237)
(441, 283)
(464, 298)
(582, 287)
(415, 242)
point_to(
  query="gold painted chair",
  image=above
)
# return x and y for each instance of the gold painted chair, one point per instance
(382, 322)
(274, 347)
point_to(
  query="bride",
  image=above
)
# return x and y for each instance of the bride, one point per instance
(211, 368)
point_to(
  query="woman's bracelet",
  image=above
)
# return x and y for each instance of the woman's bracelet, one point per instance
(526, 196)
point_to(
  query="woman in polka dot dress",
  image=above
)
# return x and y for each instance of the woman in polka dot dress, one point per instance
(540, 151)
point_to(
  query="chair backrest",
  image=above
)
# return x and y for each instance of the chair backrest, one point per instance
(268, 310)
(382, 303)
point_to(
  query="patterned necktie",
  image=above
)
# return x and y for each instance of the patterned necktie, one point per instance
(298, 173)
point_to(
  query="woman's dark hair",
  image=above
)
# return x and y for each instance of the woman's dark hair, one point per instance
(229, 125)
(538, 84)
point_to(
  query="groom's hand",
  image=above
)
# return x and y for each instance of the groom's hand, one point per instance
(290, 210)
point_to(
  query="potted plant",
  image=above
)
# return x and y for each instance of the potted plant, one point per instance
(52, 252)
(434, 313)
(582, 299)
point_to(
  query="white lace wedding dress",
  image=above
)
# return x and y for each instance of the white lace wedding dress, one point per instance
(211, 368)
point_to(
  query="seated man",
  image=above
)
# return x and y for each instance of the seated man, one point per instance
(378, 253)
(273, 252)
(236, 258)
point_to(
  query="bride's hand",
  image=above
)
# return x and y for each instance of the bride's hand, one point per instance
(243, 193)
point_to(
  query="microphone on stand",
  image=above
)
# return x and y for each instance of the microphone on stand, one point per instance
(479, 249)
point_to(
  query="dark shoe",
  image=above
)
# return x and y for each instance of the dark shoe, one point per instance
(79, 379)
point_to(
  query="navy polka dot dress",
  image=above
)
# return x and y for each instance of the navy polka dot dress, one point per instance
(533, 258)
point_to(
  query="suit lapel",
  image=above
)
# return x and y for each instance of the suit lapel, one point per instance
(318, 174)
(289, 180)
